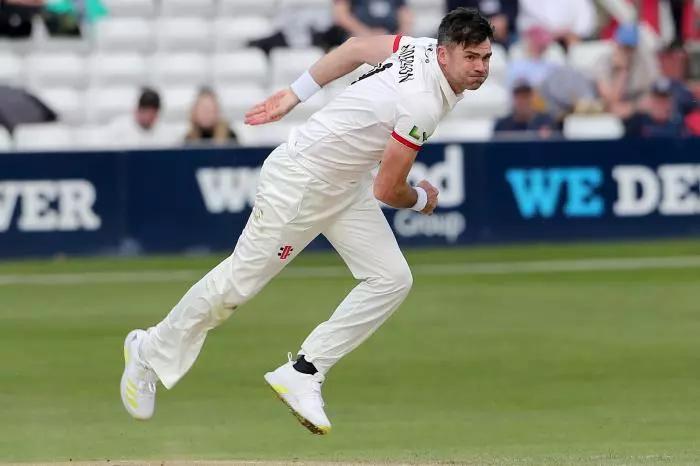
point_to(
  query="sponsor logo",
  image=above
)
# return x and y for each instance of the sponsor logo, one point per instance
(406, 57)
(668, 190)
(415, 133)
(410, 224)
(377, 69)
(285, 252)
(228, 189)
(544, 192)
(448, 177)
(48, 205)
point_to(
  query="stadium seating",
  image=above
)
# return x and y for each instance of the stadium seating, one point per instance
(454, 129)
(131, 8)
(56, 69)
(5, 140)
(287, 64)
(236, 100)
(239, 67)
(554, 53)
(586, 56)
(491, 100)
(602, 126)
(89, 137)
(233, 33)
(177, 102)
(106, 103)
(185, 68)
(246, 7)
(268, 135)
(11, 69)
(43, 136)
(183, 35)
(67, 102)
(187, 8)
(124, 34)
(108, 69)
(177, 46)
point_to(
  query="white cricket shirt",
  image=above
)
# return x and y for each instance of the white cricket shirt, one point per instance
(405, 97)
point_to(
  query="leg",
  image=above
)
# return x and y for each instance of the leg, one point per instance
(363, 238)
(272, 237)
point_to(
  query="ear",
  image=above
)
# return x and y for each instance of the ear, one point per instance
(442, 54)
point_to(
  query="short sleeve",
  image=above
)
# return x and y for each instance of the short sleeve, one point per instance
(415, 122)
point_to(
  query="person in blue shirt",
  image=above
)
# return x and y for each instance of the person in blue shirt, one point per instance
(525, 116)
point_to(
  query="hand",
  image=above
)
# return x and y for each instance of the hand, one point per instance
(432, 197)
(272, 109)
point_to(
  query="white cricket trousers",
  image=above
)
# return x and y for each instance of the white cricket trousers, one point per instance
(292, 207)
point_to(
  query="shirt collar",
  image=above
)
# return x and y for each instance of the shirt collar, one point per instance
(447, 91)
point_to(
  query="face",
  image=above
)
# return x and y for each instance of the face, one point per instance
(661, 107)
(466, 68)
(146, 117)
(522, 102)
(206, 111)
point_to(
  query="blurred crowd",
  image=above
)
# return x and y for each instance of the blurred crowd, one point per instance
(650, 80)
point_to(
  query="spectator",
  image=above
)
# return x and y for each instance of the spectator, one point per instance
(659, 120)
(692, 121)
(140, 130)
(206, 123)
(533, 67)
(16, 17)
(525, 117)
(626, 76)
(567, 21)
(297, 26)
(371, 17)
(501, 13)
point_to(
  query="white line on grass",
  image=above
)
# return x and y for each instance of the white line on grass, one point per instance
(478, 268)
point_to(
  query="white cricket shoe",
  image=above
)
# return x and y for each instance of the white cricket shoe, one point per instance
(302, 394)
(138, 385)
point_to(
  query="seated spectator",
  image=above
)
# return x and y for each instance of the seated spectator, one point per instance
(206, 123)
(525, 117)
(567, 21)
(692, 121)
(501, 13)
(140, 130)
(16, 17)
(359, 18)
(533, 67)
(297, 26)
(659, 120)
(566, 90)
(626, 76)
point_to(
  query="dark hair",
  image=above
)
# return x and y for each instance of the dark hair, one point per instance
(464, 26)
(149, 99)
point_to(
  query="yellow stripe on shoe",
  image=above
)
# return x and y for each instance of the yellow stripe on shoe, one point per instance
(281, 389)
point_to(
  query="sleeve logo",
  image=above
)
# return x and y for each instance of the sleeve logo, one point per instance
(415, 133)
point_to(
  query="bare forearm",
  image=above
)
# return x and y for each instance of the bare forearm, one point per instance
(400, 197)
(351, 54)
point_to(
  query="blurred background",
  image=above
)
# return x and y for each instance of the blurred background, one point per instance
(95, 74)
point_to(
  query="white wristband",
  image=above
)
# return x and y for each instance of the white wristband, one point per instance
(422, 199)
(305, 86)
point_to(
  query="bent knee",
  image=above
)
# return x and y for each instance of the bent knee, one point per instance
(401, 280)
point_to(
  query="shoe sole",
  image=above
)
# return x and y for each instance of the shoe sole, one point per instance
(313, 428)
(122, 384)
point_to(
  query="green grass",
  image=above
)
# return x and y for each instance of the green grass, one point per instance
(541, 368)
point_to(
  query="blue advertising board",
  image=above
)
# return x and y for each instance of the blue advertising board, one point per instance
(200, 199)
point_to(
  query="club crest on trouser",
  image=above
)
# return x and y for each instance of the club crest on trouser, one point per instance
(285, 252)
